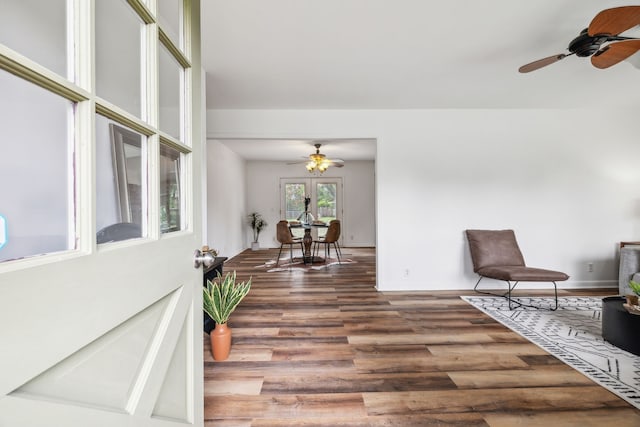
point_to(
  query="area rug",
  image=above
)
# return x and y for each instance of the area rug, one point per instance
(573, 335)
(286, 264)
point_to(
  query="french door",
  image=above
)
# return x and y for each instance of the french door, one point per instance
(325, 196)
(100, 305)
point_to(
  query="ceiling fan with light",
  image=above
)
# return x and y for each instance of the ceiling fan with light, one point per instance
(318, 162)
(601, 40)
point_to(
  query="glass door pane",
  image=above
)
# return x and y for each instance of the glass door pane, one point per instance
(171, 75)
(118, 55)
(36, 197)
(37, 29)
(170, 191)
(325, 203)
(170, 17)
(326, 194)
(121, 182)
(293, 198)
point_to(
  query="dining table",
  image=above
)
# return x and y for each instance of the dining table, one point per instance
(307, 239)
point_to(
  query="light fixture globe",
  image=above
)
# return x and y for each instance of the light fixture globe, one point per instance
(317, 161)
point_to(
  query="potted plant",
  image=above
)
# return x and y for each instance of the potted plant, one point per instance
(632, 300)
(257, 223)
(220, 299)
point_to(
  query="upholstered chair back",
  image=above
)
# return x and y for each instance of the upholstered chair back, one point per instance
(333, 232)
(493, 248)
(283, 233)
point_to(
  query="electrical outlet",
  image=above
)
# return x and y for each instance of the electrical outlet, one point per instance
(590, 267)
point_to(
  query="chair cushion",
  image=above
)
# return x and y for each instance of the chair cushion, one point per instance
(520, 273)
(491, 248)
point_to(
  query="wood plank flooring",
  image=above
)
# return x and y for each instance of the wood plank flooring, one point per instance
(324, 348)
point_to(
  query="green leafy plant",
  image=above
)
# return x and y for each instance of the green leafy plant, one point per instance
(257, 223)
(635, 287)
(222, 296)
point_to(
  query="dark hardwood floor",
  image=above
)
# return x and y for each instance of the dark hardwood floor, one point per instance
(324, 348)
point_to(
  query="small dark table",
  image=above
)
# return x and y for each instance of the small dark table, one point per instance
(619, 327)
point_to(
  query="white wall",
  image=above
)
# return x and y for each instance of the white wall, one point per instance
(358, 221)
(226, 200)
(565, 180)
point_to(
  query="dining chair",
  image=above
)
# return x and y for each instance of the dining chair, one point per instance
(285, 237)
(330, 238)
(496, 255)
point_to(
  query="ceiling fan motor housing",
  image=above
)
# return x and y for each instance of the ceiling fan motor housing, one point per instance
(586, 45)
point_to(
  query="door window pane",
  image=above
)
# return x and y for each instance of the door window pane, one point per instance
(170, 17)
(118, 55)
(36, 203)
(121, 182)
(170, 96)
(326, 204)
(294, 194)
(37, 30)
(326, 201)
(170, 192)
(294, 201)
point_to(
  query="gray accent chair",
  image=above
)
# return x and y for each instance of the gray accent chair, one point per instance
(629, 268)
(496, 255)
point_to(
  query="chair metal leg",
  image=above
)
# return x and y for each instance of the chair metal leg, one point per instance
(279, 252)
(507, 295)
(475, 288)
(291, 255)
(521, 304)
(337, 252)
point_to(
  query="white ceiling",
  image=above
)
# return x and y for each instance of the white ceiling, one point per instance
(292, 150)
(396, 54)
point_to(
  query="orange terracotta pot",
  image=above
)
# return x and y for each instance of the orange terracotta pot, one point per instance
(220, 341)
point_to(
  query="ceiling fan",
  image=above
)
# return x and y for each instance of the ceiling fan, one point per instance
(601, 40)
(319, 162)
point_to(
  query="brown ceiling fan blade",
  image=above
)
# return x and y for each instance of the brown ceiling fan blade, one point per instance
(614, 53)
(532, 66)
(615, 21)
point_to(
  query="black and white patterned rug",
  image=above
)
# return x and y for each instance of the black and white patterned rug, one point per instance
(573, 335)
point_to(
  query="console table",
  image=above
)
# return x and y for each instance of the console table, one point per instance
(211, 273)
(619, 327)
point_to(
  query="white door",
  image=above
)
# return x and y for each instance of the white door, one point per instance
(100, 213)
